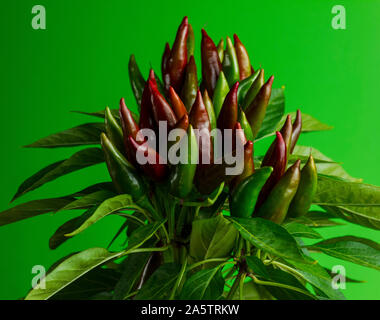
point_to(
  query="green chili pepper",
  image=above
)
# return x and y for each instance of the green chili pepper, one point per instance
(181, 179)
(245, 68)
(113, 130)
(230, 64)
(276, 205)
(245, 125)
(306, 190)
(190, 42)
(190, 86)
(257, 109)
(253, 90)
(221, 90)
(136, 79)
(244, 196)
(296, 130)
(245, 85)
(210, 109)
(220, 49)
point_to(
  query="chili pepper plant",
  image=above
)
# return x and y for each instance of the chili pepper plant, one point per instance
(192, 230)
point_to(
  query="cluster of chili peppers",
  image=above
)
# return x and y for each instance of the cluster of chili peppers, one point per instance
(230, 95)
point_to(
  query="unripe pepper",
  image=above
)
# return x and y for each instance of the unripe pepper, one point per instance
(190, 86)
(113, 130)
(253, 90)
(296, 131)
(244, 196)
(136, 79)
(228, 114)
(182, 176)
(211, 65)
(245, 85)
(176, 103)
(249, 166)
(245, 68)
(220, 49)
(230, 64)
(190, 42)
(307, 188)
(276, 205)
(221, 90)
(245, 125)
(210, 109)
(257, 109)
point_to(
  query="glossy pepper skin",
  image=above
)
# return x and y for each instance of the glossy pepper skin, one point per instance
(190, 86)
(254, 89)
(276, 205)
(296, 130)
(249, 166)
(244, 196)
(257, 109)
(190, 42)
(307, 188)
(210, 109)
(245, 85)
(221, 90)
(220, 49)
(211, 65)
(113, 130)
(245, 69)
(230, 64)
(228, 114)
(176, 104)
(242, 119)
(136, 79)
(182, 176)
(146, 113)
(164, 66)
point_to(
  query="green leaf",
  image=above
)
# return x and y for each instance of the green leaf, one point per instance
(89, 200)
(252, 291)
(212, 238)
(33, 208)
(107, 207)
(269, 237)
(85, 134)
(357, 250)
(301, 230)
(159, 285)
(82, 159)
(70, 270)
(93, 188)
(355, 202)
(142, 234)
(257, 267)
(317, 219)
(205, 284)
(274, 113)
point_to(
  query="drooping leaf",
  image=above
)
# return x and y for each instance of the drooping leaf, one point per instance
(82, 159)
(354, 249)
(301, 230)
(115, 113)
(317, 219)
(269, 237)
(257, 267)
(355, 202)
(33, 208)
(89, 200)
(93, 188)
(84, 134)
(205, 284)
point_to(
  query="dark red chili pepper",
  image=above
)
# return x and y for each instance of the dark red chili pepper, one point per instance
(146, 113)
(249, 166)
(297, 128)
(164, 66)
(176, 104)
(228, 114)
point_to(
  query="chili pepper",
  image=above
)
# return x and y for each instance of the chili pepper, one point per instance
(183, 124)
(190, 86)
(190, 42)
(146, 112)
(276, 205)
(164, 66)
(256, 111)
(297, 127)
(220, 49)
(245, 85)
(249, 166)
(178, 57)
(211, 65)
(228, 114)
(221, 90)
(113, 130)
(154, 168)
(177, 105)
(136, 79)
(230, 64)
(253, 90)
(161, 109)
(243, 198)
(245, 125)
(306, 190)
(181, 179)
(210, 109)
(245, 68)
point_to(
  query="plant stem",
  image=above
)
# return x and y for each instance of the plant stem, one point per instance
(179, 278)
(234, 287)
(149, 249)
(241, 287)
(197, 264)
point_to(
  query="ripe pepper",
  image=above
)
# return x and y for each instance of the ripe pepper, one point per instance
(182, 176)
(296, 130)
(249, 166)
(245, 85)
(276, 205)
(190, 85)
(256, 110)
(253, 90)
(177, 62)
(190, 42)
(230, 63)
(113, 130)
(146, 113)
(221, 90)
(220, 49)
(306, 190)
(228, 114)
(243, 198)
(245, 68)
(164, 66)
(210, 109)
(211, 65)
(136, 79)
(245, 125)
(176, 103)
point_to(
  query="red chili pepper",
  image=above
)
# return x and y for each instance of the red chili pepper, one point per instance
(146, 113)
(245, 68)
(249, 166)
(211, 65)
(297, 128)
(228, 114)
(176, 103)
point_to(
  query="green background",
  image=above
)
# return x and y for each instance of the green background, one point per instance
(80, 62)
